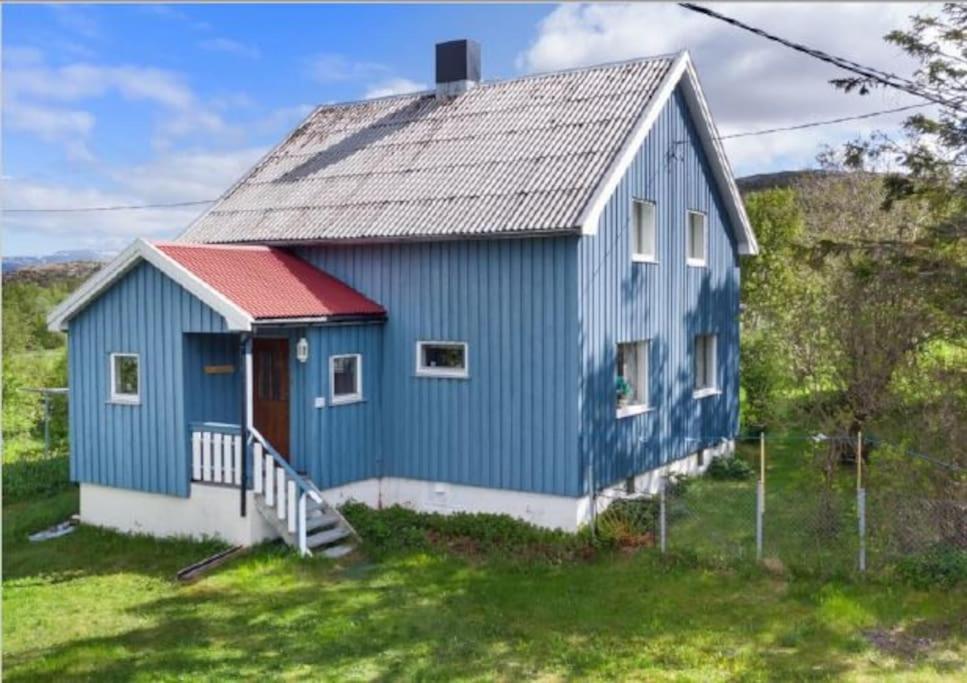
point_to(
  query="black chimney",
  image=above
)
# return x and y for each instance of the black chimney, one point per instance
(457, 67)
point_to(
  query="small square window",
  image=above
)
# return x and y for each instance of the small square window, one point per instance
(346, 378)
(441, 359)
(643, 246)
(125, 378)
(697, 238)
(631, 380)
(705, 364)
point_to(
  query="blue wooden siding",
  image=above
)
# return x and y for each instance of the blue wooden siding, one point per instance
(134, 446)
(668, 303)
(212, 397)
(338, 443)
(513, 423)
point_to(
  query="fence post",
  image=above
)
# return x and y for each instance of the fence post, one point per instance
(662, 529)
(860, 501)
(762, 464)
(760, 500)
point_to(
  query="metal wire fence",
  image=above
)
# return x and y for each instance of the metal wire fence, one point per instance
(807, 503)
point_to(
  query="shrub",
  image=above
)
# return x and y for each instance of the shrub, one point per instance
(629, 522)
(943, 565)
(729, 468)
(763, 377)
(397, 529)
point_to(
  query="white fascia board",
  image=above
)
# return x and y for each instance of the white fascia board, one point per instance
(602, 193)
(708, 135)
(719, 163)
(90, 288)
(236, 318)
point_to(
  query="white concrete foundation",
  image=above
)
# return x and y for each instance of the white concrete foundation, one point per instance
(550, 511)
(210, 511)
(213, 511)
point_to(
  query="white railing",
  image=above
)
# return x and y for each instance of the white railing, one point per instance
(216, 453)
(282, 488)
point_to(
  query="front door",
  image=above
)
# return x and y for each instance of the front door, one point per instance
(271, 400)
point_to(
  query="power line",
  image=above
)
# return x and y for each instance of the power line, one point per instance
(121, 207)
(826, 122)
(751, 133)
(884, 78)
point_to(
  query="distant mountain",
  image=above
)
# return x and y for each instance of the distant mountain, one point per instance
(12, 264)
(779, 179)
(49, 273)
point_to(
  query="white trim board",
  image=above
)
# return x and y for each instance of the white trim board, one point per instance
(708, 135)
(236, 319)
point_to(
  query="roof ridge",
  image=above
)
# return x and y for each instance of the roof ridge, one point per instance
(502, 81)
(208, 245)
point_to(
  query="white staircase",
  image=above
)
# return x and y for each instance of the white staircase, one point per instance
(294, 506)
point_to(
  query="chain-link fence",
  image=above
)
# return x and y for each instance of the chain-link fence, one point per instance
(807, 503)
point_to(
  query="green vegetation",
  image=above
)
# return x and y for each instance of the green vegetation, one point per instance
(100, 605)
(33, 357)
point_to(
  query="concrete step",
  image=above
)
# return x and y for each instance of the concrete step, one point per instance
(336, 551)
(327, 537)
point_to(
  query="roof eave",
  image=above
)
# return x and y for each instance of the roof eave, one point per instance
(708, 134)
(236, 319)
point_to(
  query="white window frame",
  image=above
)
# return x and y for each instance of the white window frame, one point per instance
(695, 262)
(641, 256)
(357, 395)
(126, 399)
(644, 379)
(450, 373)
(711, 364)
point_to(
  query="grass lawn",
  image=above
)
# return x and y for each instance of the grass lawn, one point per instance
(104, 606)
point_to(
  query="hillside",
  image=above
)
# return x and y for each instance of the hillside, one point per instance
(50, 273)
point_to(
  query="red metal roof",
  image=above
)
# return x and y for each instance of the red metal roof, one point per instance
(268, 282)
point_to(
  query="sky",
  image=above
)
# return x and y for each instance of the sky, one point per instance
(107, 105)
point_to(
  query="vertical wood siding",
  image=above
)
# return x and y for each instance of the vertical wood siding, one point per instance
(666, 302)
(338, 443)
(216, 397)
(513, 423)
(140, 446)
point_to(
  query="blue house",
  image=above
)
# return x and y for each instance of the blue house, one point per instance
(494, 296)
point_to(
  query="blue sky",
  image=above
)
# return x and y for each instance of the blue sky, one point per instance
(134, 104)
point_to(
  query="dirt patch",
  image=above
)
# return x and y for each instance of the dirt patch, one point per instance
(915, 641)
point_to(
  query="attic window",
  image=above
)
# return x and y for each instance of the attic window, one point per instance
(697, 238)
(125, 378)
(642, 231)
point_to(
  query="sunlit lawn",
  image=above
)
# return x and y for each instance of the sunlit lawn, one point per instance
(104, 606)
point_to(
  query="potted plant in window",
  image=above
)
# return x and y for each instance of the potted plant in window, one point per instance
(623, 391)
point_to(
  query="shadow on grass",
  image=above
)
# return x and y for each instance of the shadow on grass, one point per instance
(431, 617)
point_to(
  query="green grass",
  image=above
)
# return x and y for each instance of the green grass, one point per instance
(715, 520)
(99, 605)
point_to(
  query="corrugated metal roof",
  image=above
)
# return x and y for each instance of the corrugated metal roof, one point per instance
(270, 283)
(508, 157)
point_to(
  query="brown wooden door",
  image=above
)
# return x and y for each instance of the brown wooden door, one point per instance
(271, 401)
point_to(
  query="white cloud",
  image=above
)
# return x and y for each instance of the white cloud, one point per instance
(330, 68)
(52, 124)
(751, 83)
(195, 175)
(393, 86)
(229, 46)
(37, 85)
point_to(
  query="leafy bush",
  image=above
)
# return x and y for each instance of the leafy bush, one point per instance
(32, 477)
(629, 522)
(942, 566)
(763, 376)
(729, 468)
(676, 485)
(397, 529)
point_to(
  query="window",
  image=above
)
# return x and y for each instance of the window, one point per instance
(346, 378)
(697, 238)
(705, 365)
(441, 359)
(125, 378)
(631, 381)
(642, 231)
